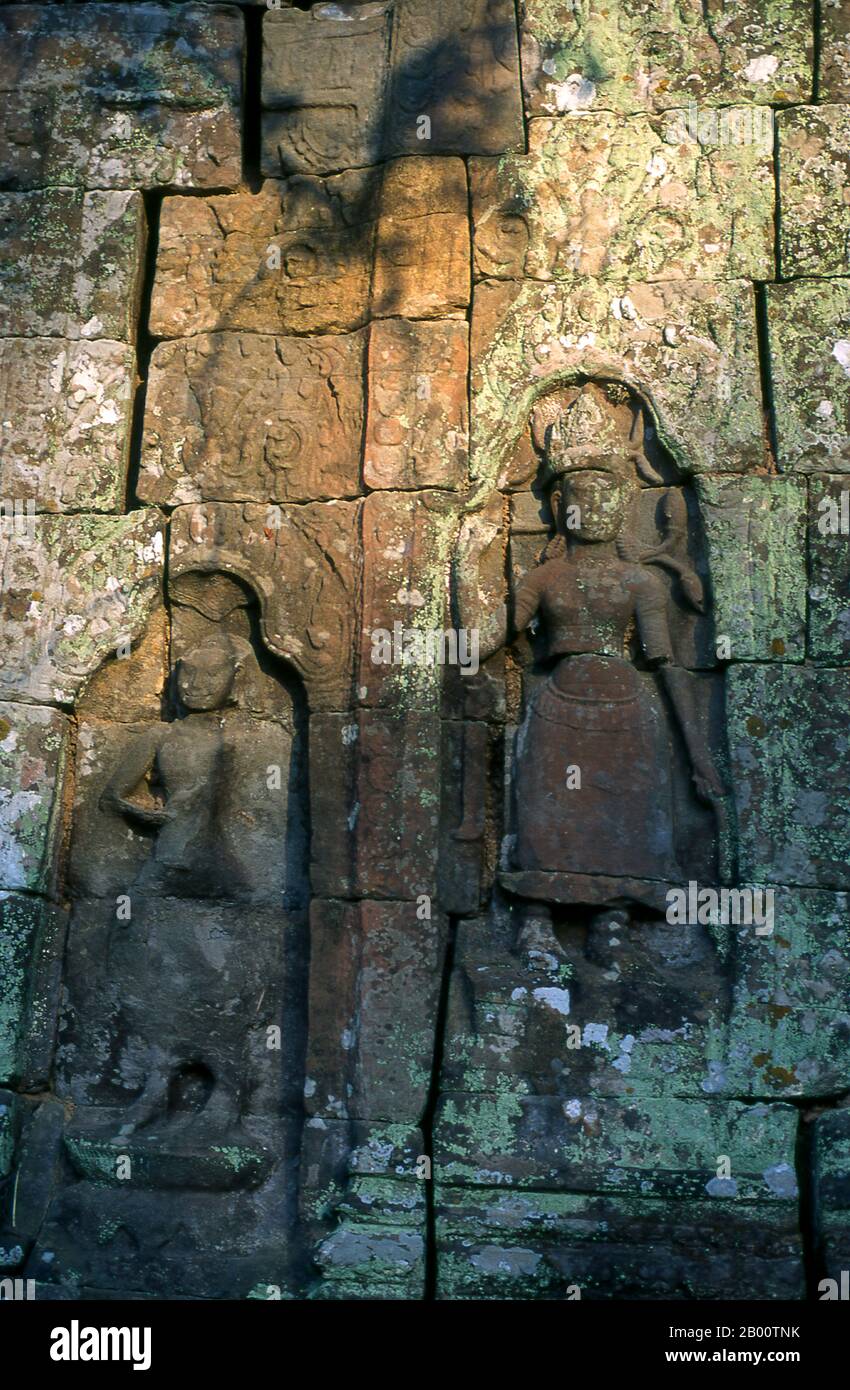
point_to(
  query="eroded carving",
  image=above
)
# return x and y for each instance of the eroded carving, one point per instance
(254, 418)
(205, 792)
(611, 710)
(183, 1034)
(302, 561)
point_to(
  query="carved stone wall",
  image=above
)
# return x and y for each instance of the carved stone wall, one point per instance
(424, 687)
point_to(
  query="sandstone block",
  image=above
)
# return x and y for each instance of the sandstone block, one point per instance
(809, 329)
(73, 591)
(375, 981)
(457, 64)
(120, 96)
(829, 558)
(408, 540)
(417, 426)
(422, 247)
(789, 1024)
(605, 196)
(252, 418)
(359, 766)
(324, 87)
(617, 1146)
(65, 417)
(33, 753)
(786, 737)
(556, 1246)
(835, 51)
(32, 935)
(755, 530)
(71, 264)
(814, 190)
(603, 56)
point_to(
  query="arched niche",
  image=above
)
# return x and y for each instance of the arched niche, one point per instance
(183, 1029)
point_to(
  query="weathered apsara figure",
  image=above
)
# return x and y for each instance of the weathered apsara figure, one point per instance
(190, 762)
(593, 778)
(212, 784)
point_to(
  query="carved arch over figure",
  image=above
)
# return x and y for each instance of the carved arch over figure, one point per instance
(688, 349)
(509, 461)
(303, 563)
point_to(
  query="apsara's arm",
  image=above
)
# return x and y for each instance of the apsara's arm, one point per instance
(136, 761)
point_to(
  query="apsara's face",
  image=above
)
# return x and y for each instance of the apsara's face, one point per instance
(593, 505)
(205, 679)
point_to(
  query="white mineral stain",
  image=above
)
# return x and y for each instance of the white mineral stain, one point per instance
(107, 415)
(57, 369)
(498, 1259)
(557, 999)
(595, 1033)
(761, 69)
(722, 1187)
(575, 93)
(623, 308)
(412, 597)
(781, 1180)
(841, 353)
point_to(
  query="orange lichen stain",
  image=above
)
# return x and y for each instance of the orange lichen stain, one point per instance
(781, 1076)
